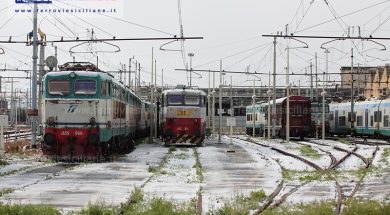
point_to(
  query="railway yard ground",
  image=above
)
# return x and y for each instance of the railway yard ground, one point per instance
(260, 177)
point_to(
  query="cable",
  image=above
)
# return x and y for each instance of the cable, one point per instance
(235, 54)
(345, 15)
(304, 15)
(246, 57)
(126, 21)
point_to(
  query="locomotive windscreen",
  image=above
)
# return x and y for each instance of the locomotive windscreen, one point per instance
(175, 99)
(85, 87)
(59, 87)
(192, 100)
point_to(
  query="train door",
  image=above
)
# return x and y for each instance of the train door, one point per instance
(365, 120)
(336, 120)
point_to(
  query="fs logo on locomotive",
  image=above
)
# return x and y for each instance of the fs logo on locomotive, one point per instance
(72, 108)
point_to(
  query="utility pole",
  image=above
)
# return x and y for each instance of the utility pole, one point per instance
(34, 118)
(352, 96)
(208, 105)
(41, 73)
(162, 81)
(274, 94)
(311, 81)
(316, 77)
(151, 101)
(220, 101)
(155, 99)
(269, 93)
(324, 94)
(213, 114)
(191, 55)
(253, 108)
(288, 97)
(139, 75)
(130, 73)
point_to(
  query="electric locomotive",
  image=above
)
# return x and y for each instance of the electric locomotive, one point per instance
(183, 116)
(87, 113)
(300, 120)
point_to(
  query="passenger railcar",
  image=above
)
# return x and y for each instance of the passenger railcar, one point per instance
(183, 116)
(316, 119)
(371, 118)
(87, 113)
(340, 118)
(300, 118)
(255, 118)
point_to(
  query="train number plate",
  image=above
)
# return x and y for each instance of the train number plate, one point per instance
(183, 112)
(73, 133)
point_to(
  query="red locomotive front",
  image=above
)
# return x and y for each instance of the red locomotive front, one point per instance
(183, 116)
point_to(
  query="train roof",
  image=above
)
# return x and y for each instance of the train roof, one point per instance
(184, 91)
(292, 98)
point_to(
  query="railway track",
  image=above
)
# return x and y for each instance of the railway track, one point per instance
(341, 198)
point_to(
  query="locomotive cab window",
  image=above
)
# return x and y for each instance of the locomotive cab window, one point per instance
(175, 99)
(59, 87)
(192, 100)
(85, 87)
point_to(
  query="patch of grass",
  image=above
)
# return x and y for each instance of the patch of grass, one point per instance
(3, 163)
(99, 208)
(172, 148)
(367, 207)
(309, 152)
(302, 175)
(153, 169)
(314, 208)
(181, 156)
(28, 210)
(240, 205)
(6, 191)
(345, 141)
(198, 166)
(137, 205)
(385, 155)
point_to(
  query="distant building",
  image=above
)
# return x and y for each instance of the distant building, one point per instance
(362, 76)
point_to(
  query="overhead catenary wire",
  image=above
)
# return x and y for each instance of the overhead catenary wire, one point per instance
(123, 20)
(345, 15)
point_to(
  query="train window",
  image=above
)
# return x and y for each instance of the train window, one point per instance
(192, 100)
(248, 117)
(378, 116)
(342, 121)
(331, 117)
(175, 99)
(103, 88)
(349, 117)
(59, 87)
(386, 121)
(371, 120)
(109, 88)
(85, 87)
(359, 120)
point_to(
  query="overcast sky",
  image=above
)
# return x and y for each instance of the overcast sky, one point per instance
(232, 31)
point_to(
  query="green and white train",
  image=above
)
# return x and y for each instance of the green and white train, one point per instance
(88, 114)
(371, 118)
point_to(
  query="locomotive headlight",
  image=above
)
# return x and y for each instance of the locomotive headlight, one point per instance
(50, 121)
(72, 75)
(92, 121)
